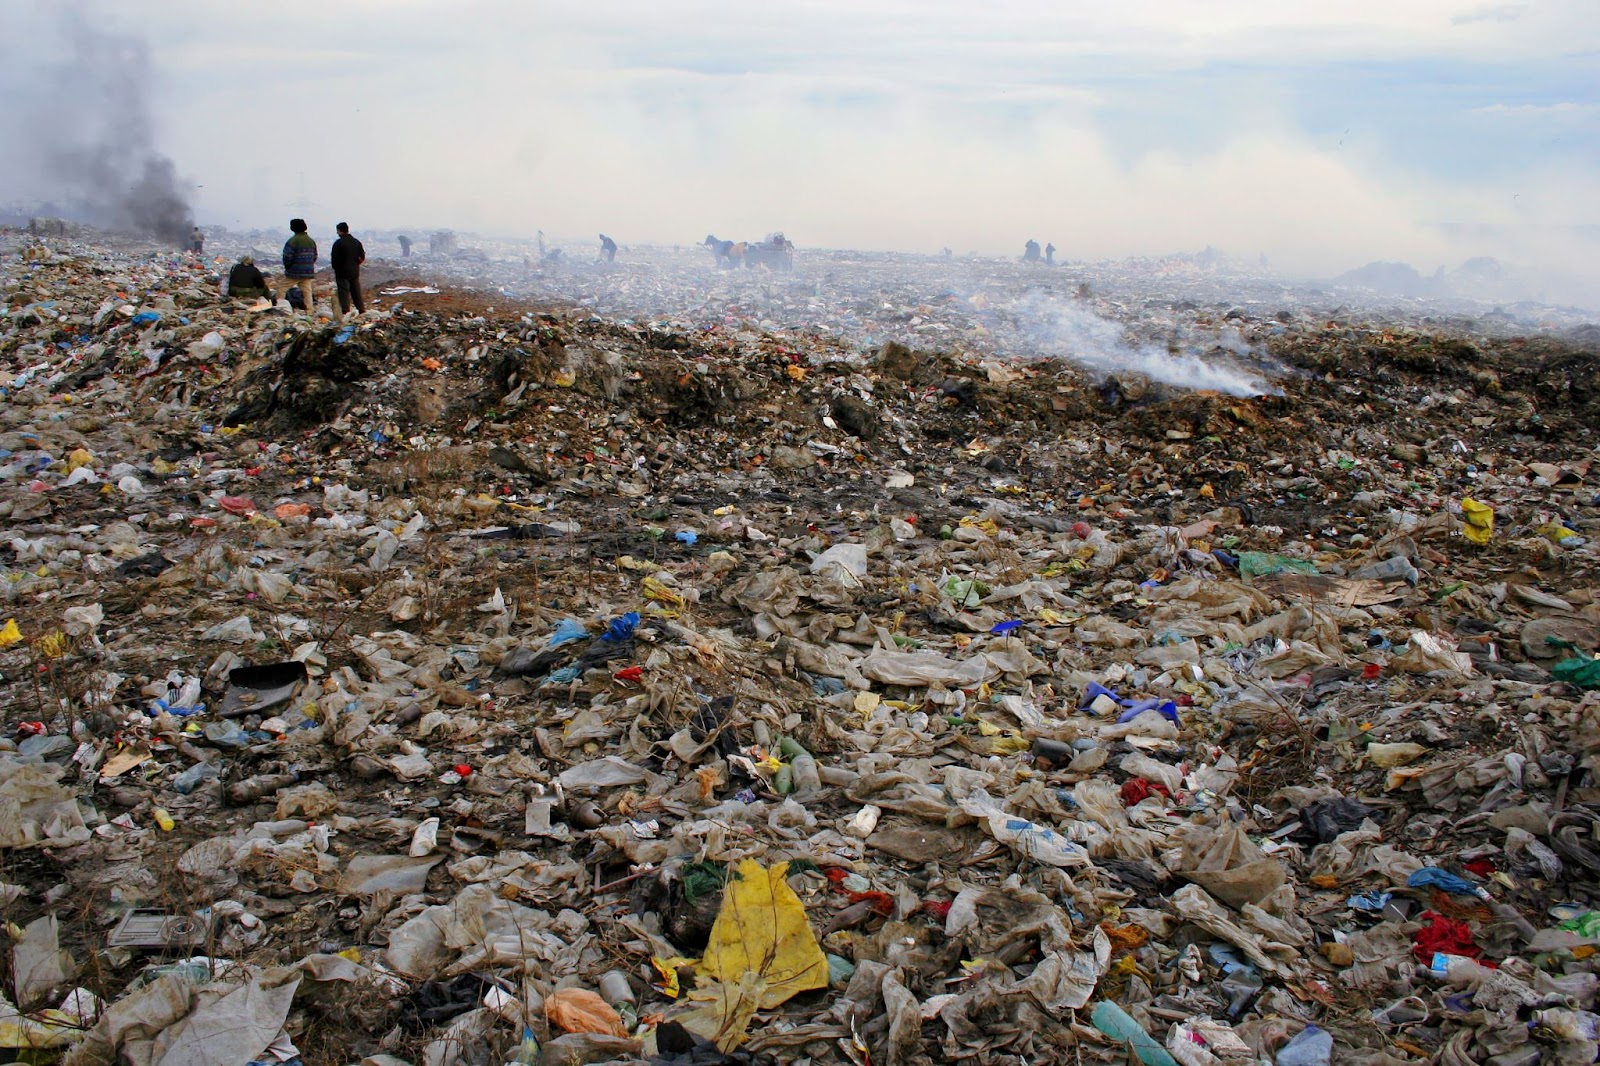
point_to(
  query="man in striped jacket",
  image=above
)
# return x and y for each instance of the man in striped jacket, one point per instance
(299, 261)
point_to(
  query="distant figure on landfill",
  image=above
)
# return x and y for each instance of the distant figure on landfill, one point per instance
(347, 256)
(541, 244)
(405, 247)
(725, 253)
(246, 280)
(1050, 255)
(1030, 252)
(299, 262)
(608, 249)
(197, 241)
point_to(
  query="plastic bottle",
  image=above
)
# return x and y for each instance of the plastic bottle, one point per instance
(806, 777)
(253, 788)
(1398, 568)
(1312, 1046)
(1116, 1023)
(163, 819)
(1056, 752)
(426, 839)
(615, 989)
(194, 777)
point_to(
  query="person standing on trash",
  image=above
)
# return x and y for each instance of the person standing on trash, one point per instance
(197, 241)
(299, 261)
(405, 246)
(1050, 255)
(608, 249)
(246, 280)
(347, 256)
(1030, 252)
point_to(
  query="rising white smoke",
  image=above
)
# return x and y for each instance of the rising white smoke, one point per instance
(1061, 328)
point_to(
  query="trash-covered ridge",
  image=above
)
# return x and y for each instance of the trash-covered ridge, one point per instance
(477, 681)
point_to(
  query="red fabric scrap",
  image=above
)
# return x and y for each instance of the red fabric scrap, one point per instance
(1443, 934)
(1480, 867)
(835, 874)
(1136, 790)
(882, 902)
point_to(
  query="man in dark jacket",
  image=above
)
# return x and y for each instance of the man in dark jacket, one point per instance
(299, 261)
(245, 280)
(347, 256)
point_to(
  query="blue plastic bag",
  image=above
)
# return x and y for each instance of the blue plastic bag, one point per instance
(567, 630)
(1433, 877)
(621, 629)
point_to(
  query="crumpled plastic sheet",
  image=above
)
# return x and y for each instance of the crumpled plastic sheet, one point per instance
(35, 808)
(173, 1022)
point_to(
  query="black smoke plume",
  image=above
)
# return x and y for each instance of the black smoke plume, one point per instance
(97, 140)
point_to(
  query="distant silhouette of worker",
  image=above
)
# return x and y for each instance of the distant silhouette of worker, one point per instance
(299, 262)
(197, 241)
(347, 256)
(405, 247)
(246, 280)
(541, 244)
(608, 249)
(1050, 255)
(1030, 252)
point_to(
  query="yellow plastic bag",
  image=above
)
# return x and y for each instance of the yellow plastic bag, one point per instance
(1480, 520)
(762, 927)
(762, 952)
(658, 591)
(10, 634)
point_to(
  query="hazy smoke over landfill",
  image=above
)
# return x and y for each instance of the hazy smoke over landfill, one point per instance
(1305, 139)
(1059, 328)
(92, 136)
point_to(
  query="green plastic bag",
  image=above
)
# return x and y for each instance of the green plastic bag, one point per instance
(1260, 564)
(1585, 925)
(1580, 669)
(965, 591)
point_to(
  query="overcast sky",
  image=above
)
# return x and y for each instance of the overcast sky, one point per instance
(1321, 133)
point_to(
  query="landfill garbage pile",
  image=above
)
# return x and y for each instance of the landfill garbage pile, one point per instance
(479, 682)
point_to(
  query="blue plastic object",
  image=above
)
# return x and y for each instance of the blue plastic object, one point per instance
(1006, 627)
(687, 536)
(567, 630)
(1369, 901)
(827, 686)
(1433, 877)
(1373, 901)
(144, 318)
(1094, 692)
(157, 707)
(344, 335)
(1166, 708)
(1312, 1046)
(621, 629)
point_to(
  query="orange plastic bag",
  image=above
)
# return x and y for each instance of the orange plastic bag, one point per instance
(577, 1010)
